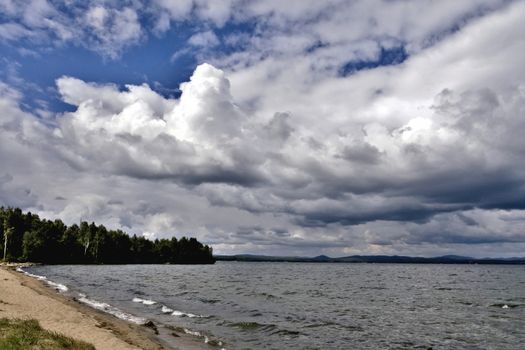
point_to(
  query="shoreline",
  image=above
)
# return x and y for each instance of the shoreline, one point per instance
(25, 297)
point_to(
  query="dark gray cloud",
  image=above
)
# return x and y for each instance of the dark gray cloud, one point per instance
(361, 153)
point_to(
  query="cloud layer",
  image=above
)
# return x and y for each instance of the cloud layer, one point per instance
(285, 144)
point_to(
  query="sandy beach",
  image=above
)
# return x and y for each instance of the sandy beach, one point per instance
(27, 298)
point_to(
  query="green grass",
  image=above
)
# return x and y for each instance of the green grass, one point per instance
(18, 334)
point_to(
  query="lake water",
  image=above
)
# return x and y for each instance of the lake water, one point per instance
(316, 306)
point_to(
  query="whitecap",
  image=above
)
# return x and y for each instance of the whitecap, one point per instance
(186, 314)
(144, 301)
(166, 310)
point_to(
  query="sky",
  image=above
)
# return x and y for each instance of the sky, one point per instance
(297, 127)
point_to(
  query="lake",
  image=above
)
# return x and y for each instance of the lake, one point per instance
(258, 305)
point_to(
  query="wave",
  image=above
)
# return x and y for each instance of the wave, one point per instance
(186, 314)
(57, 286)
(107, 308)
(205, 337)
(166, 310)
(212, 342)
(506, 305)
(209, 301)
(250, 326)
(38, 277)
(144, 301)
(194, 333)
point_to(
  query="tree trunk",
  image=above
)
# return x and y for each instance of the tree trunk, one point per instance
(5, 244)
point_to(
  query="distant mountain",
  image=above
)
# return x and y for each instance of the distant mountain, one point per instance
(322, 258)
(384, 259)
(456, 257)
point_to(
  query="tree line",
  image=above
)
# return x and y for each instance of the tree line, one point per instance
(26, 237)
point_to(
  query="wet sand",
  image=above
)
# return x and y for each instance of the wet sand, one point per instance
(27, 298)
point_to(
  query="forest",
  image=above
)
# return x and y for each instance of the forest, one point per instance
(25, 237)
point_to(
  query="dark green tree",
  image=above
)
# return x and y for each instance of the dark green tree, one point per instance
(25, 237)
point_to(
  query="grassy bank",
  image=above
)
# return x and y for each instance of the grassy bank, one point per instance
(18, 334)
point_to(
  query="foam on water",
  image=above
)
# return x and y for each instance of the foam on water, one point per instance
(38, 277)
(185, 314)
(144, 301)
(57, 286)
(111, 310)
(166, 310)
(203, 336)
(194, 333)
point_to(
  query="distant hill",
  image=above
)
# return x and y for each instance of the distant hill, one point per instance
(384, 259)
